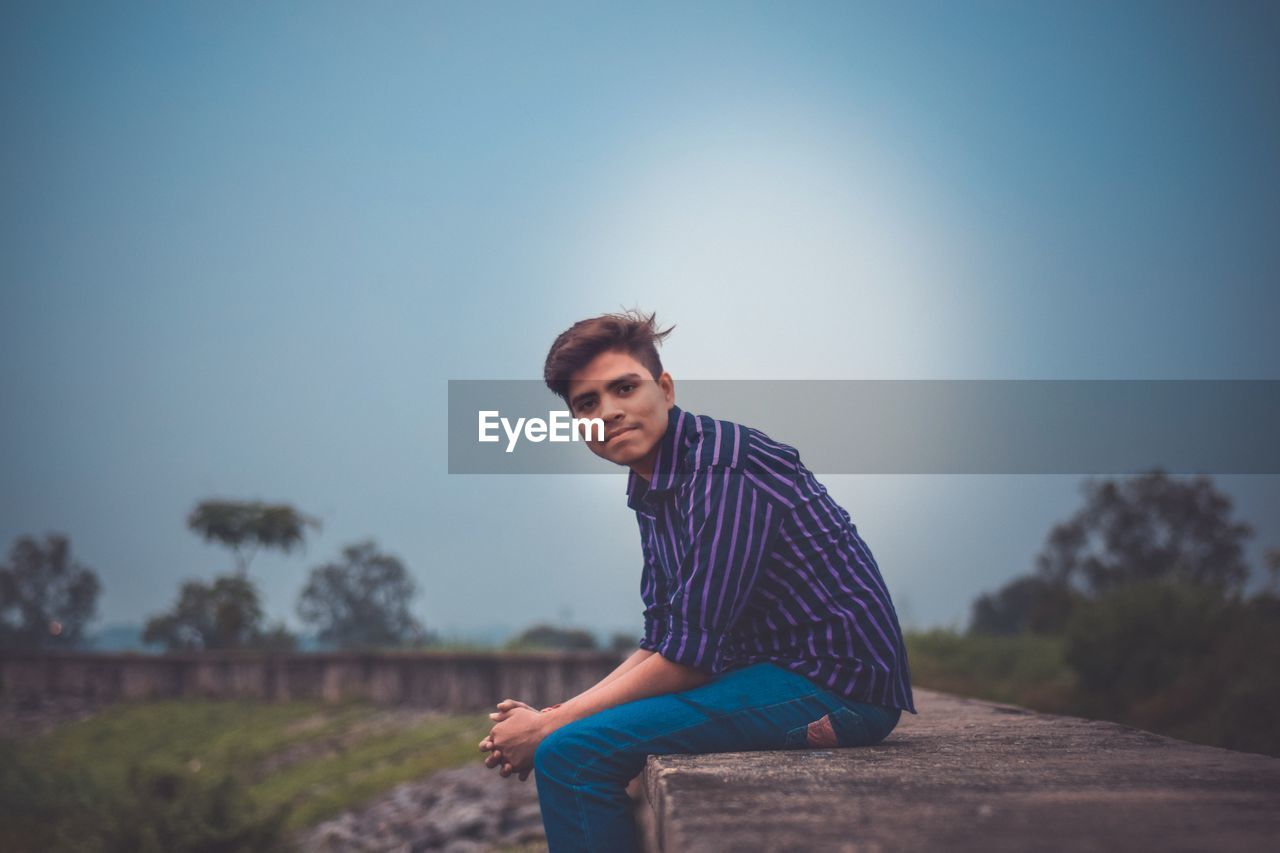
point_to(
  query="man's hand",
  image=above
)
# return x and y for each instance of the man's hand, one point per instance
(496, 756)
(517, 735)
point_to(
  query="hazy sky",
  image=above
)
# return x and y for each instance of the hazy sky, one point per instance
(245, 245)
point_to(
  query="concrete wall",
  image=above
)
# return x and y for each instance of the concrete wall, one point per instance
(443, 680)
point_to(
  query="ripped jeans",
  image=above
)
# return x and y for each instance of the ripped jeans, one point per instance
(582, 769)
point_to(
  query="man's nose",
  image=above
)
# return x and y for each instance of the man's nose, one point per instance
(610, 410)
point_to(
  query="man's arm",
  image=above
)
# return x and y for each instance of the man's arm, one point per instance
(636, 658)
(652, 675)
(642, 675)
(631, 662)
(506, 705)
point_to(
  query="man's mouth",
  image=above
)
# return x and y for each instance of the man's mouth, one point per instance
(611, 436)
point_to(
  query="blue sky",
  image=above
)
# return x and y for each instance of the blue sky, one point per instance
(244, 247)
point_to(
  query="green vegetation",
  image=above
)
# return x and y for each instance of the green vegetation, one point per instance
(1025, 670)
(1136, 612)
(214, 776)
(553, 638)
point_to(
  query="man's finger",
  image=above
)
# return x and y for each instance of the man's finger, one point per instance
(524, 774)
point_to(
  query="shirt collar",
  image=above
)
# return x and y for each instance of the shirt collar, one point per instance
(666, 465)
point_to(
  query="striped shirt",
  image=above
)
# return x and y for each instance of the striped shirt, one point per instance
(748, 559)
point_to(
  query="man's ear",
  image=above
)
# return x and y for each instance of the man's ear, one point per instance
(668, 386)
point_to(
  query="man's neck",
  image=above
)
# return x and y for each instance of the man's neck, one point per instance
(643, 469)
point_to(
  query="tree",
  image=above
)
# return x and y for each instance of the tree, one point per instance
(551, 637)
(46, 598)
(1149, 527)
(224, 615)
(361, 601)
(623, 642)
(1024, 605)
(246, 526)
(1272, 560)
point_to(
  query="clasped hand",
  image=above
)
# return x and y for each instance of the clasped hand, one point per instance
(512, 743)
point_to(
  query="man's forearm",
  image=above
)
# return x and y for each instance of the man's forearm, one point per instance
(653, 675)
(636, 658)
(627, 665)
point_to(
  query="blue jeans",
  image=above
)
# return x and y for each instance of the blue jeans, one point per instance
(582, 769)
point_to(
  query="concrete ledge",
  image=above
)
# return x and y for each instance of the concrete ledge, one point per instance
(971, 775)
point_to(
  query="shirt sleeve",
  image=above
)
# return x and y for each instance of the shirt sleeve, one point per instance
(654, 594)
(729, 524)
(655, 627)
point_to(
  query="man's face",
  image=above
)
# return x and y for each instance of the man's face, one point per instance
(619, 390)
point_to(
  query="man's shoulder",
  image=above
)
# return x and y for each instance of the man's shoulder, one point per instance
(715, 443)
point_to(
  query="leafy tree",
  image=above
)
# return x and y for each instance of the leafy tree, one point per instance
(361, 601)
(1029, 604)
(224, 615)
(1149, 527)
(551, 637)
(1272, 560)
(46, 598)
(623, 642)
(246, 526)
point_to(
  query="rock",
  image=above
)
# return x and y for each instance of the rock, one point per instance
(459, 810)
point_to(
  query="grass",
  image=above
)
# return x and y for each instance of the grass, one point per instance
(321, 787)
(1023, 670)
(342, 755)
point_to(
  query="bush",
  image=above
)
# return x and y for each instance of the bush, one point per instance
(1139, 639)
(161, 809)
(1025, 669)
(174, 809)
(1183, 660)
(551, 637)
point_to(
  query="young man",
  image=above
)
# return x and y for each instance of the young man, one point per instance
(767, 624)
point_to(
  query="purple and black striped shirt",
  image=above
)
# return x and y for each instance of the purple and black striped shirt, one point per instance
(748, 559)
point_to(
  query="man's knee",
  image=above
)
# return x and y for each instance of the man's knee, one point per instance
(577, 752)
(552, 758)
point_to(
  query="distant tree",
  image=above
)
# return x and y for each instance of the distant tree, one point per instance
(226, 614)
(1272, 560)
(1145, 528)
(246, 526)
(361, 601)
(1029, 604)
(1148, 528)
(46, 598)
(551, 637)
(623, 642)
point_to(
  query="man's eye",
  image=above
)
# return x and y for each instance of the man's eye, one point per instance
(582, 407)
(623, 388)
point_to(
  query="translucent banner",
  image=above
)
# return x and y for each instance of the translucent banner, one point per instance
(1103, 427)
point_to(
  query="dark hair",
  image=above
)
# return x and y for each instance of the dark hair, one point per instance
(631, 332)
